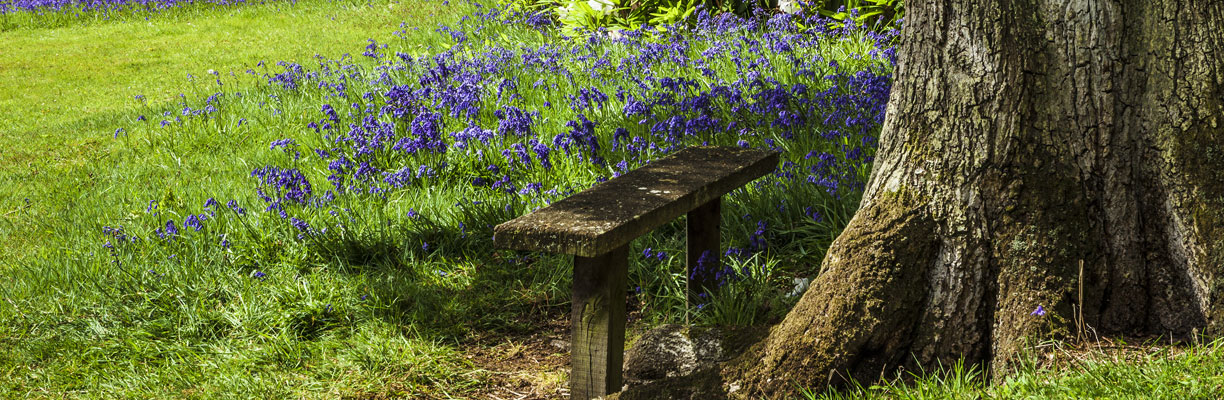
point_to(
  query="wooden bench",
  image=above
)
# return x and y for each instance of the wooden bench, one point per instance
(596, 227)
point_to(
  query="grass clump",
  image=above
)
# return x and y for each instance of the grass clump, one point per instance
(1062, 371)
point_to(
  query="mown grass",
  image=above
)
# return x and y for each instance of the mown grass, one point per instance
(66, 90)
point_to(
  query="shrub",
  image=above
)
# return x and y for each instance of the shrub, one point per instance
(631, 14)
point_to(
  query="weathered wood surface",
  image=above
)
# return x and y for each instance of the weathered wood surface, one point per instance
(597, 320)
(615, 212)
(703, 242)
(596, 227)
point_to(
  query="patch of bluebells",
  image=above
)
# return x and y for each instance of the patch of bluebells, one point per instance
(117, 234)
(522, 125)
(169, 231)
(650, 253)
(757, 241)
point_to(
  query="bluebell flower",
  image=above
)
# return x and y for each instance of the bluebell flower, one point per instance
(299, 224)
(813, 214)
(233, 205)
(193, 221)
(169, 231)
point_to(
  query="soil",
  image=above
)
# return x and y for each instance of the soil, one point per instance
(534, 365)
(1070, 355)
(527, 366)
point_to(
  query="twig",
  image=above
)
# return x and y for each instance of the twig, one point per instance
(520, 395)
(1080, 317)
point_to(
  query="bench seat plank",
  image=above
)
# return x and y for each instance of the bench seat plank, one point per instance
(615, 212)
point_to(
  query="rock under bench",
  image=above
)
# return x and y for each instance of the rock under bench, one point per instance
(597, 225)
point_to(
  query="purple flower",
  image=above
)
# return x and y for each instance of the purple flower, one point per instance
(813, 214)
(1040, 311)
(282, 143)
(400, 178)
(233, 205)
(169, 231)
(285, 184)
(542, 151)
(513, 121)
(299, 224)
(194, 222)
(757, 241)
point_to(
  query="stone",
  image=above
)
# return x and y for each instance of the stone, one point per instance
(671, 351)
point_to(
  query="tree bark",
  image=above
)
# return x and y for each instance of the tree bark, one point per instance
(1021, 138)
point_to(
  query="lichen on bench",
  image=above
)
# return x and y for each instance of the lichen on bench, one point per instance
(596, 227)
(615, 212)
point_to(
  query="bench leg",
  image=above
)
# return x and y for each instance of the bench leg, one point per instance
(597, 349)
(703, 250)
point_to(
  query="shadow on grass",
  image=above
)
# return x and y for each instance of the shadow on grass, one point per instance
(459, 290)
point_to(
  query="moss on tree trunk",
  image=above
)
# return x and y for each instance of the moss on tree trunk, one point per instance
(1022, 138)
(871, 321)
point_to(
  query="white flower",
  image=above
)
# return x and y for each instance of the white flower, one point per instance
(602, 6)
(789, 6)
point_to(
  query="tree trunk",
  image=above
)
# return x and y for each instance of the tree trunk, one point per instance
(1021, 138)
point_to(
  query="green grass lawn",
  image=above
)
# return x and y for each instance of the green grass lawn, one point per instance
(74, 76)
(65, 90)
